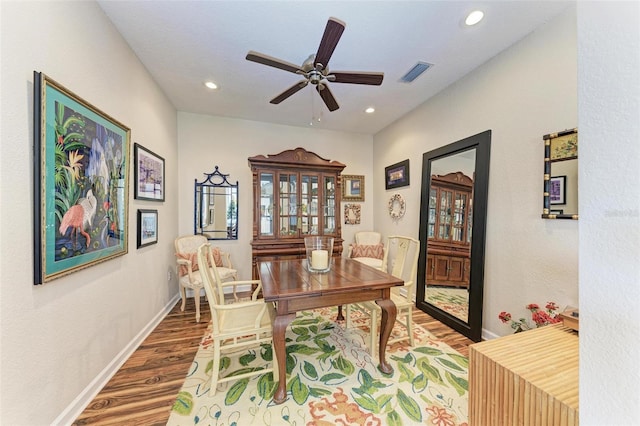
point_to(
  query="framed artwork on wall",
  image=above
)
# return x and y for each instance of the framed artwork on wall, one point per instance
(557, 185)
(397, 175)
(147, 227)
(352, 188)
(560, 178)
(148, 174)
(352, 214)
(81, 182)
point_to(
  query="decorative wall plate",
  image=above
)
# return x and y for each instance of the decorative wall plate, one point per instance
(397, 206)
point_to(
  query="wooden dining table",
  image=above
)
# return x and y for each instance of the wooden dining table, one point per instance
(290, 285)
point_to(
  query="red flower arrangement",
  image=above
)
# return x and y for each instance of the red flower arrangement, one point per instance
(539, 317)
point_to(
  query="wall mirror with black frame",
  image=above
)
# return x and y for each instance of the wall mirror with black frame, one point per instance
(216, 207)
(560, 185)
(453, 213)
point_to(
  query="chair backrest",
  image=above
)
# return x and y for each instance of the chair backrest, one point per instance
(403, 254)
(368, 238)
(209, 279)
(214, 275)
(189, 243)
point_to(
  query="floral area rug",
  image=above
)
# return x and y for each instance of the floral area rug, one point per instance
(453, 300)
(331, 380)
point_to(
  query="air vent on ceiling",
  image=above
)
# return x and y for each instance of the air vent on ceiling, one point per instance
(415, 72)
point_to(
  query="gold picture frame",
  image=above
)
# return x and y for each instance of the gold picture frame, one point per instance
(81, 183)
(352, 188)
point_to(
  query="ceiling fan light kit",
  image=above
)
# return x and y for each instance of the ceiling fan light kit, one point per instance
(315, 69)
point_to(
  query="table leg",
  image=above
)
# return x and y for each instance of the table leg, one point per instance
(340, 317)
(386, 325)
(279, 345)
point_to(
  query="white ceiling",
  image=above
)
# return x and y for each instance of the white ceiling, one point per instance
(184, 43)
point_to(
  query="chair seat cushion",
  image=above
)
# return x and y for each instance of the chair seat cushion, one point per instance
(376, 263)
(195, 284)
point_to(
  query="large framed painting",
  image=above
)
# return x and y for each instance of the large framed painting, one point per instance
(81, 183)
(148, 174)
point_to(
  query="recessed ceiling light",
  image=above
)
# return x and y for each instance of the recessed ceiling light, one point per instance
(474, 17)
(370, 110)
(211, 85)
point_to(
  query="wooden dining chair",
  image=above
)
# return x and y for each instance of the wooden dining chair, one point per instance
(402, 257)
(235, 326)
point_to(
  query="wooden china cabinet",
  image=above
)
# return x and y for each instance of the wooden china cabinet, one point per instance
(296, 194)
(449, 230)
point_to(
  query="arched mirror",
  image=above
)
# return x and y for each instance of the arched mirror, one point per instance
(216, 207)
(455, 181)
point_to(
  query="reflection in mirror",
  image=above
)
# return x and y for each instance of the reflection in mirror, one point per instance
(216, 207)
(560, 197)
(452, 225)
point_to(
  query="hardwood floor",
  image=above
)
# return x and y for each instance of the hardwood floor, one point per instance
(143, 391)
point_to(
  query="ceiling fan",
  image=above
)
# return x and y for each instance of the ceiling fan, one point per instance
(315, 69)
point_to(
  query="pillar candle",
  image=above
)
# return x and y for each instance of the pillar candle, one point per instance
(319, 259)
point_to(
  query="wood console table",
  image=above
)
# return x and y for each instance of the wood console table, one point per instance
(528, 378)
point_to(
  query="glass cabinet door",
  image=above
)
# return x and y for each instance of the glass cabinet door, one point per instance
(329, 189)
(288, 205)
(444, 220)
(431, 225)
(459, 213)
(266, 204)
(310, 218)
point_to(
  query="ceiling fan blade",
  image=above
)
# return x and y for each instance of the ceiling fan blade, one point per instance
(272, 62)
(353, 77)
(327, 97)
(332, 33)
(290, 91)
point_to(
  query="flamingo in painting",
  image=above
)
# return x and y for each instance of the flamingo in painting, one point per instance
(80, 215)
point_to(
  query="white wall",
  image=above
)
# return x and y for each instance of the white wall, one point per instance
(522, 94)
(609, 126)
(206, 141)
(58, 337)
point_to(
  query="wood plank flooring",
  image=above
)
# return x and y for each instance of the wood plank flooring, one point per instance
(142, 392)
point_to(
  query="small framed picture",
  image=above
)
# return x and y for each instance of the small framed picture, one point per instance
(149, 174)
(557, 185)
(397, 175)
(352, 188)
(147, 227)
(352, 214)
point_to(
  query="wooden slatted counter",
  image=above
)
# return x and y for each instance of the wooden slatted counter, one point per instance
(528, 378)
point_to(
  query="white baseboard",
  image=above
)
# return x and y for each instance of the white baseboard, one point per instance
(77, 406)
(487, 335)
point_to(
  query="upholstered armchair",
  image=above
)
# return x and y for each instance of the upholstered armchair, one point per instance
(368, 249)
(187, 267)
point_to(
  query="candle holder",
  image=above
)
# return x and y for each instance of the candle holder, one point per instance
(319, 252)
